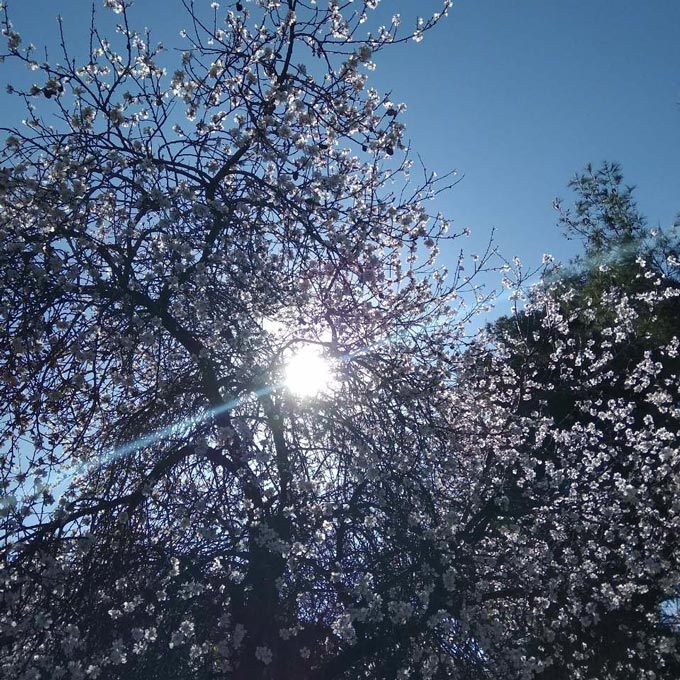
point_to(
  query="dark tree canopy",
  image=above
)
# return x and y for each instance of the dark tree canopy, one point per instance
(244, 434)
(596, 356)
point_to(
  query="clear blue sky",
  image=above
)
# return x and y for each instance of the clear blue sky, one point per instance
(517, 95)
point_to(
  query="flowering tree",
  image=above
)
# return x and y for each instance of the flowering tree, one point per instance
(181, 248)
(170, 244)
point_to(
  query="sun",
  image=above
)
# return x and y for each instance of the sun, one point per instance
(307, 373)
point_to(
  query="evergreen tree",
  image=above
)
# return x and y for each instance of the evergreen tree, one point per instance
(594, 358)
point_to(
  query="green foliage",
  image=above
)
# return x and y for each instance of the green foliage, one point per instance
(619, 251)
(604, 215)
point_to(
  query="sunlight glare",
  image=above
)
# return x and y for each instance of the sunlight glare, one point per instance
(307, 373)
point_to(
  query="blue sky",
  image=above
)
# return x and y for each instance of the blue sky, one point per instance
(516, 95)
